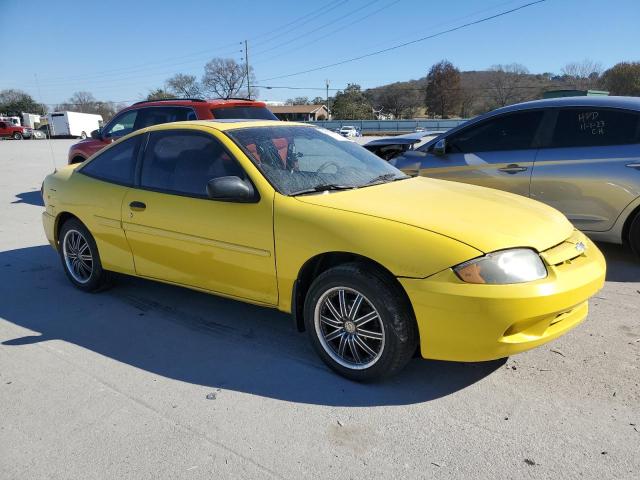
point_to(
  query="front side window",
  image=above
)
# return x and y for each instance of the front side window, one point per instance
(116, 164)
(122, 125)
(594, 127)
(514, 131)
(184, 161)
(157, 115)
(239, 112)
(296, 159)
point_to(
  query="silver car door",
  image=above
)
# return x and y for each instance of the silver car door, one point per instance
(590, 166)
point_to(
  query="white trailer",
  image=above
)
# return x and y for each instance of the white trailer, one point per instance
(30, 119)
(73, 124)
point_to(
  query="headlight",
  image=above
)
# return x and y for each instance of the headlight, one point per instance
(517, 265)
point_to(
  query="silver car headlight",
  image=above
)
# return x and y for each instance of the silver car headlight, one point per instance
(517, 265)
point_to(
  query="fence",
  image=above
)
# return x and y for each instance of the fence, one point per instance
(391, 126)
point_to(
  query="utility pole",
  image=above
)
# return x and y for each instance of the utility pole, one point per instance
(328, 111)
(246, 64)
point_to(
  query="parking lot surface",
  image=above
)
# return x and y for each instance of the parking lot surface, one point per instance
(153, 381)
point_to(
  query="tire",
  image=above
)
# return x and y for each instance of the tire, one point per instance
(17, 136)
(383, 321)
(83, 135)
(634, 235)
(86, 274)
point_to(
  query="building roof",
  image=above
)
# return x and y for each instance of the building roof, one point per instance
(296, 108)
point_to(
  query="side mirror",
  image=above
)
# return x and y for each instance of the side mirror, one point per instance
(96, 134)
(440, 148)
(231, 189)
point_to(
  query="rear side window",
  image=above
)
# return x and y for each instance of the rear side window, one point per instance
(514, 131)
(116, 164)
(589, 127)
(157, 115)
(183, 162)
(259, 113)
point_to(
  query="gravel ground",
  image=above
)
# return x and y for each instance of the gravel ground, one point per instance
(153, 381)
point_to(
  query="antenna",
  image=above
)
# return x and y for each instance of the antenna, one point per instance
(53, 158)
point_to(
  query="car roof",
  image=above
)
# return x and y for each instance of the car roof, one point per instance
(629, 103)
(224, 124)
(212, 103)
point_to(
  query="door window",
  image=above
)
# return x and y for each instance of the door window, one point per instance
(122, 125)
(183, 162)
(514, 131)
(157, 115)
(116, 164)
(595, 127)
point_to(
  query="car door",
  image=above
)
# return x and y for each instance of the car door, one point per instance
(178, 234)
(497, 152)
(589, 166)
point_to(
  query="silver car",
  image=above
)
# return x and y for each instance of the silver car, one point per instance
(580, 155)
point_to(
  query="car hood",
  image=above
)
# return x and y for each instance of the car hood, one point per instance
(483, 218)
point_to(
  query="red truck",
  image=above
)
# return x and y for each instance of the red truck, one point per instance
(147, 113)
(9, 130)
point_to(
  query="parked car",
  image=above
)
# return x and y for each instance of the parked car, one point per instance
(372, 263)
(580, 155)
(42, 132)
(349, 131)
(10, 130)
(147, 113)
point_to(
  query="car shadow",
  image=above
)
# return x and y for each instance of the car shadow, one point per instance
(201, 339)
(622, 264)
(31, 198)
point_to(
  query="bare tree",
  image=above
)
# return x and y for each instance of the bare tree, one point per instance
(85, 102)
(225, 78)
(507, 85)
(184, 86)
(298, 101)
(401, 101)
(443, 89)
(585, 74)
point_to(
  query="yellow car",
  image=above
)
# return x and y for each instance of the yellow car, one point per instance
(373, 264)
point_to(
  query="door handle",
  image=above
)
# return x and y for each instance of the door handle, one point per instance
(512, 168)
(137, 206)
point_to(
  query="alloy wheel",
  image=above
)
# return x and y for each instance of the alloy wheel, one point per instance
(349, 328)
(77, 256)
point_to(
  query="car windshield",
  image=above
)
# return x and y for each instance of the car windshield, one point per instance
(300, 160)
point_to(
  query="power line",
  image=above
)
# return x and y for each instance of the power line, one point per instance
(395, 47)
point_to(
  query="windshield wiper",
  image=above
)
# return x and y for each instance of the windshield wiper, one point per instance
(383, 178)
(322, 188)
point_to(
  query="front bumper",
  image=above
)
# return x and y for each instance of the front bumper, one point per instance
(468, 322)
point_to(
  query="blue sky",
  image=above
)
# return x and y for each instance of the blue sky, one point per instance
(121, 50)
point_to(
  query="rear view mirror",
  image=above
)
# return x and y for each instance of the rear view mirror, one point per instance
(96, 135)
(440, 148)
(231, 189)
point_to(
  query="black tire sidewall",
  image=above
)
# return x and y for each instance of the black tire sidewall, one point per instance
(634, 235)
(17, 136)
(98, 275)
(384, 297)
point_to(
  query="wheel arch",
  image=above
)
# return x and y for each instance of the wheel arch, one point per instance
(323, 262)
(61, 219)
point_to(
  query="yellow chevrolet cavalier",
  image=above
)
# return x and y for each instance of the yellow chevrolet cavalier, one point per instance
(374, 265)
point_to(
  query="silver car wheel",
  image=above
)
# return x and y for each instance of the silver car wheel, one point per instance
(77, 256)
(349, 328)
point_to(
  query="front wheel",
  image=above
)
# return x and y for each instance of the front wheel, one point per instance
(80, 258)
(360, 323)
(17, 136)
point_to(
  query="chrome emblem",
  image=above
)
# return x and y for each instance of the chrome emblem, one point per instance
(580, 247)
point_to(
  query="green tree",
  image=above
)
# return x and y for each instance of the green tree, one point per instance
(15, 102)
(443, 89)
(159, 94)
(352, 104)
(623, 79)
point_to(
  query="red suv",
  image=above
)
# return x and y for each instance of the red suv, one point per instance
(9, 130)
(147, 113)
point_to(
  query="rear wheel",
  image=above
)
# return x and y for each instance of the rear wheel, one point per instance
(17, 136)
(360, 323)
(80, 258)
(634, 235)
